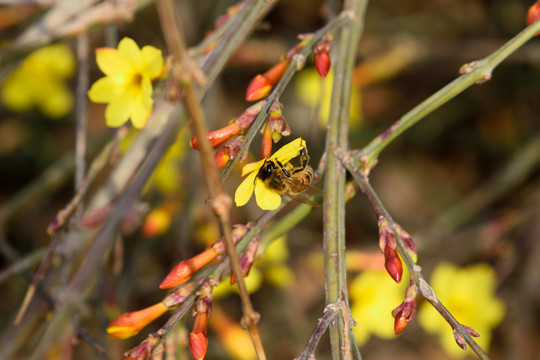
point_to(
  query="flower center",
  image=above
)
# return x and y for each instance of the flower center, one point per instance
(136, 79)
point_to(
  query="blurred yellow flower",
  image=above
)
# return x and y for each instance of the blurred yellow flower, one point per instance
(127, 86)
(266, 198)
(316, 92)
(373, 297)
(469, 294)
(40, 81)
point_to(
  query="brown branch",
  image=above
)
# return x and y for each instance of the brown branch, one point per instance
(220, 201)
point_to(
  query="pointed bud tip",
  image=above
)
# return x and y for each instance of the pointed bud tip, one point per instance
(258, 88)
(322, 64)
(198, 344)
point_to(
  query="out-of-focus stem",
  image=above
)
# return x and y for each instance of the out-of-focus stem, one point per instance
(334, 199)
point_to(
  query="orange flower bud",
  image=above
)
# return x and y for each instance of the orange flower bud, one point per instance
(258, 88)
(222, 157)
(198, 342)
(276, 72)
(217, 137)
(266, 143)
(261, 85)
(322, 63)
(130, 323)
(393, 264)
(534, 14)
(400, 323)
(186, 268)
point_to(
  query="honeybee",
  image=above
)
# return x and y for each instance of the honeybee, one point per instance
(291, 181)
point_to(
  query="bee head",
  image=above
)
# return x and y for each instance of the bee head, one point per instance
(266, 170)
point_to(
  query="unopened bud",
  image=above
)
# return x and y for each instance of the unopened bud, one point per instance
(217, 137)
(393, 264)
(186, 268)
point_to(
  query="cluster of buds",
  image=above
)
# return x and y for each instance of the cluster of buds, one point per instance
(198, 341)
(185, 269)
(388, 246)
(322, 55)
(534, 14)
(274, 129)
(406, 311)
(460, 339)
(228, 140)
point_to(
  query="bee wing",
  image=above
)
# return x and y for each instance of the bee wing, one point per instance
(303, 198)
(308, 189)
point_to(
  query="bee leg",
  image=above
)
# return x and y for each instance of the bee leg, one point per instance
(304, 159)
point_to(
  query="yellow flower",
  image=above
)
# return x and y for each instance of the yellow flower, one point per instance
(266, 198)
(469, 294)
(127, 86)
(40, 81)
(373, 297)
(316, 92)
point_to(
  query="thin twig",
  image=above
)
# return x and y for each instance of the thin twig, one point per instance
(329, 314)
(82, 105)
(474, 72)
(414, 270)
(220, 201)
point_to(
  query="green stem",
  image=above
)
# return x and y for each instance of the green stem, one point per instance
(473, 73)
(334, 199)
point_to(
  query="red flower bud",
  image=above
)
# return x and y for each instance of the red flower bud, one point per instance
(400, 324)
(186, 268)
(393, 264)
(534, 14)
(322, 63)
(198, 342)
(406, 311)
(217, 137)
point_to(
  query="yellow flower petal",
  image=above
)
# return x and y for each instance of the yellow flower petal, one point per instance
(129, 51)
(267, 199)
(254, 166)
(117, 112)
(111, 63)
(153, 61)
(106, 89)
(141, 110)
(289, 151)
(245, 190)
